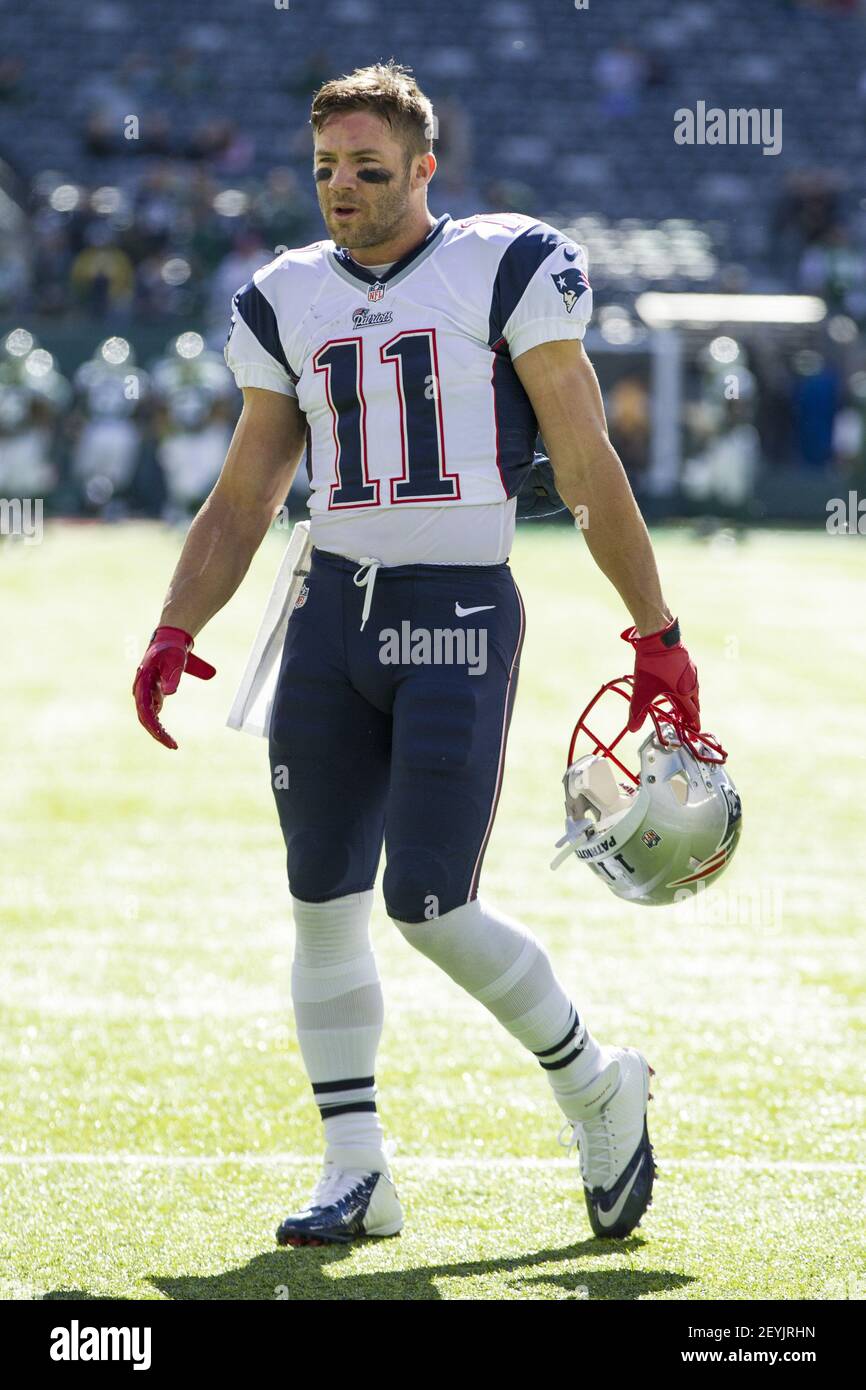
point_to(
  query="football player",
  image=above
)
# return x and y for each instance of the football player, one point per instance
(415, 359)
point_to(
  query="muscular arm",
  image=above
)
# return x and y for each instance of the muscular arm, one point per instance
(560, 381)
(260, 465)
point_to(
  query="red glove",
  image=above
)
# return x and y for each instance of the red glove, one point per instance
(167, 657)
(662, 667)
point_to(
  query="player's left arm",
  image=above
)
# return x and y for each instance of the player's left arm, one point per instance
(562, 386)
(559, 380)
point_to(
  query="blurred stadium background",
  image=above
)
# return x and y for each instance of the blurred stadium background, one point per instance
(150, 162)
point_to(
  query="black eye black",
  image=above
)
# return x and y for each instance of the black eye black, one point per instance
(375, 175)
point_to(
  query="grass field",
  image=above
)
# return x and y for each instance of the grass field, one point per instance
(155, 1119)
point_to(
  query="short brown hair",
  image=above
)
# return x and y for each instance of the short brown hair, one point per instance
(387, 90)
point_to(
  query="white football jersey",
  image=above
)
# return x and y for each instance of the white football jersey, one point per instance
(419, 432)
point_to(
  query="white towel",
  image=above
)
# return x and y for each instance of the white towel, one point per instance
(253, 703)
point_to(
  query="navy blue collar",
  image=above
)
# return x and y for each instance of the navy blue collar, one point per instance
(360, 272)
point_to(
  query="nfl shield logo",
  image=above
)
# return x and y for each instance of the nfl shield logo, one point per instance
(375, 292)
(651, 839)
(302, 596)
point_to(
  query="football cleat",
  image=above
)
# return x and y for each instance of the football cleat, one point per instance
(346, 1203)
(616, 1158)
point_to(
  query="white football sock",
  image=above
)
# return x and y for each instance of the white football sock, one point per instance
(339, 1011)
(506, 969)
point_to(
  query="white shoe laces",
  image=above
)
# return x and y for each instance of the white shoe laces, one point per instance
(594, 1140)
(335, 1182)
(332, 1185)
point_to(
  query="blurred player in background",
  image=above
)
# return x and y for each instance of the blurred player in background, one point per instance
(108, 427)
(33, 396)
(193, 390)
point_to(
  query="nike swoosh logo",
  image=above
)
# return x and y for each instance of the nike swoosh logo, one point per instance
(464, 612)
(609, 1218)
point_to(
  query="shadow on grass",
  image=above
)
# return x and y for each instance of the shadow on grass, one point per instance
(303, 1274)
(78, 1296)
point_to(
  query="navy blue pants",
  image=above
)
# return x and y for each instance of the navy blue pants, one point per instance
(369, 745)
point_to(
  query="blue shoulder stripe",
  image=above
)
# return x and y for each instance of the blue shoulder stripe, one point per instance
(518, 265)
(260, 319)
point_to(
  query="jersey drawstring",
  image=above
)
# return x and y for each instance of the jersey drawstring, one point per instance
(369, 569)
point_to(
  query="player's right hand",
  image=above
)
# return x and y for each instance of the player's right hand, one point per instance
(167, 657)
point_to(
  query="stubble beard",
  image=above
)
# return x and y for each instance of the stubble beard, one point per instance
(380, 224)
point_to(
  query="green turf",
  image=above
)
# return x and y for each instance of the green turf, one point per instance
(147, 951)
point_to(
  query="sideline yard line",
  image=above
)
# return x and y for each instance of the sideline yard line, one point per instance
(432, 1165)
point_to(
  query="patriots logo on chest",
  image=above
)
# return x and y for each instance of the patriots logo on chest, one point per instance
(364, 318)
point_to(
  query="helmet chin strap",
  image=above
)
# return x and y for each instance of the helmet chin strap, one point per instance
(573, 830)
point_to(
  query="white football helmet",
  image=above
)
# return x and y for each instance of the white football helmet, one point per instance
(656, 837)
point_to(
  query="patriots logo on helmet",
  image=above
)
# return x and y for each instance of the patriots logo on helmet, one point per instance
(571, 284)
(735, 805)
